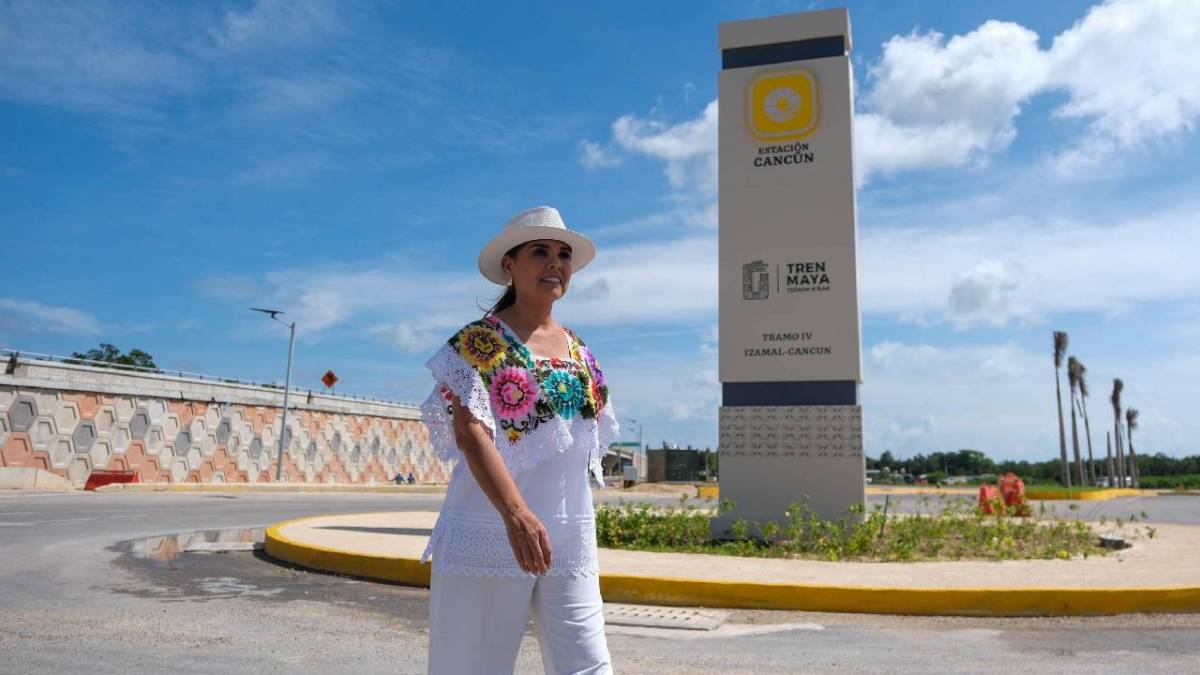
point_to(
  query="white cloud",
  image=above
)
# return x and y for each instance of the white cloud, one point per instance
(1023, 270)
(636, 284)
(27, 316)
(592, 155)
(937, 103)
(652, 282)
(82, 57)
(1130, 70)
(688, 149)
(272, 23)
(299, 94)
(991, 273)
(988, 292)
(1127, 68)
(999, 398)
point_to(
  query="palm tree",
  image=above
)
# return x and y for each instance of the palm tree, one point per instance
(1060, 349)
(1073, 381)
(1115, 399)
(1111, 469)
(1081, 378)
(1131, 423)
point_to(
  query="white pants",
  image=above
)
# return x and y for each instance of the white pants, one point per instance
(476, 624)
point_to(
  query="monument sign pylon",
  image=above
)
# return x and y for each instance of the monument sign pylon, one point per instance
(790, 364)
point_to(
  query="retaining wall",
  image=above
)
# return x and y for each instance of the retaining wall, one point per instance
(72, 419)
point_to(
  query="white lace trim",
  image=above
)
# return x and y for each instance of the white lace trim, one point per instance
(608, 431)
(471, 545)
(451, 371)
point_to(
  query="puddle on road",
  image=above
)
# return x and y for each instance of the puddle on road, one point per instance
(166, 548)
(208, 566)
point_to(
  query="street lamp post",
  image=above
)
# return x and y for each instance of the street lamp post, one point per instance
(287, 382)
(640, 451)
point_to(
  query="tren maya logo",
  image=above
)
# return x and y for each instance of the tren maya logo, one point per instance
(781, 105)
(756, 281)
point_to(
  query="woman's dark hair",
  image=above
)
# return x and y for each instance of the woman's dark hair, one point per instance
(509, 298)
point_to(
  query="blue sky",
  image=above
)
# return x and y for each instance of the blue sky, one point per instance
(1023, 167)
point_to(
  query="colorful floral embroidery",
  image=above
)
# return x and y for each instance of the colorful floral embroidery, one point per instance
(514, 392)
(526, 392)
(597, 376)
(481, 346)
(565, 392)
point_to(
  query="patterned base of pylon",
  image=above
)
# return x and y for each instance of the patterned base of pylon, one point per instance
(774, 456)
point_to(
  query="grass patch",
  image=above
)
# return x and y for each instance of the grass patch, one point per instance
(1182, 482)
(1055, 487)
(950, 530)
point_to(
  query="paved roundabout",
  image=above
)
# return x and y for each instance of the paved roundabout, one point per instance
(1154, 575)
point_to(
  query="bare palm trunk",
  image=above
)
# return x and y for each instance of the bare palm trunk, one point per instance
(1131, 424)
(1120, 455)
(1062, 435)
(1075, 444)
(1115, 399)
(1111, 467)
(1087, 429)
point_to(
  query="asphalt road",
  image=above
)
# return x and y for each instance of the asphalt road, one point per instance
(74, 596)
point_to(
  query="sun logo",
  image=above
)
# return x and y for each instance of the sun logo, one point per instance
(782, 105)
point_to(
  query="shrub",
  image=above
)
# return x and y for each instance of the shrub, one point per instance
(951, 530)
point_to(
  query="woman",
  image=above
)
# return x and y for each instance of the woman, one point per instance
(521, 403)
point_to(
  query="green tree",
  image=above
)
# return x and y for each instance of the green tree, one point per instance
(886, 460)
(1060, 350)
(107, 353)
(1131, 423)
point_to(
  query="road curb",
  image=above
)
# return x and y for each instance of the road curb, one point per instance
(1087, 496)
(983, 601)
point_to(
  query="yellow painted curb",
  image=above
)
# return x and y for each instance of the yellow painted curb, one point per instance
(714, 491)
(798, 597)
(407, 571)
(923, 490)
(956, 602)
(1085, 496)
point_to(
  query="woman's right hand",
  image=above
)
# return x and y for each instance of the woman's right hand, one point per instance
(529, 540)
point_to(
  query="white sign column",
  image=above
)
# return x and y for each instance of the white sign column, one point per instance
(790, 421)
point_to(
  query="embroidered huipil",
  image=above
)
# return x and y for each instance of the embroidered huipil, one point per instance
(550, 419)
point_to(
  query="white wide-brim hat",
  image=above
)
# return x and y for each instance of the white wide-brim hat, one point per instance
(540, 222)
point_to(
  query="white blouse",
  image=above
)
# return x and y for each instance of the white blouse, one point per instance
(550, 458)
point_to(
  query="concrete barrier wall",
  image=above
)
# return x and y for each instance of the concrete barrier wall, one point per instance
(72, 419)
(26, 478)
